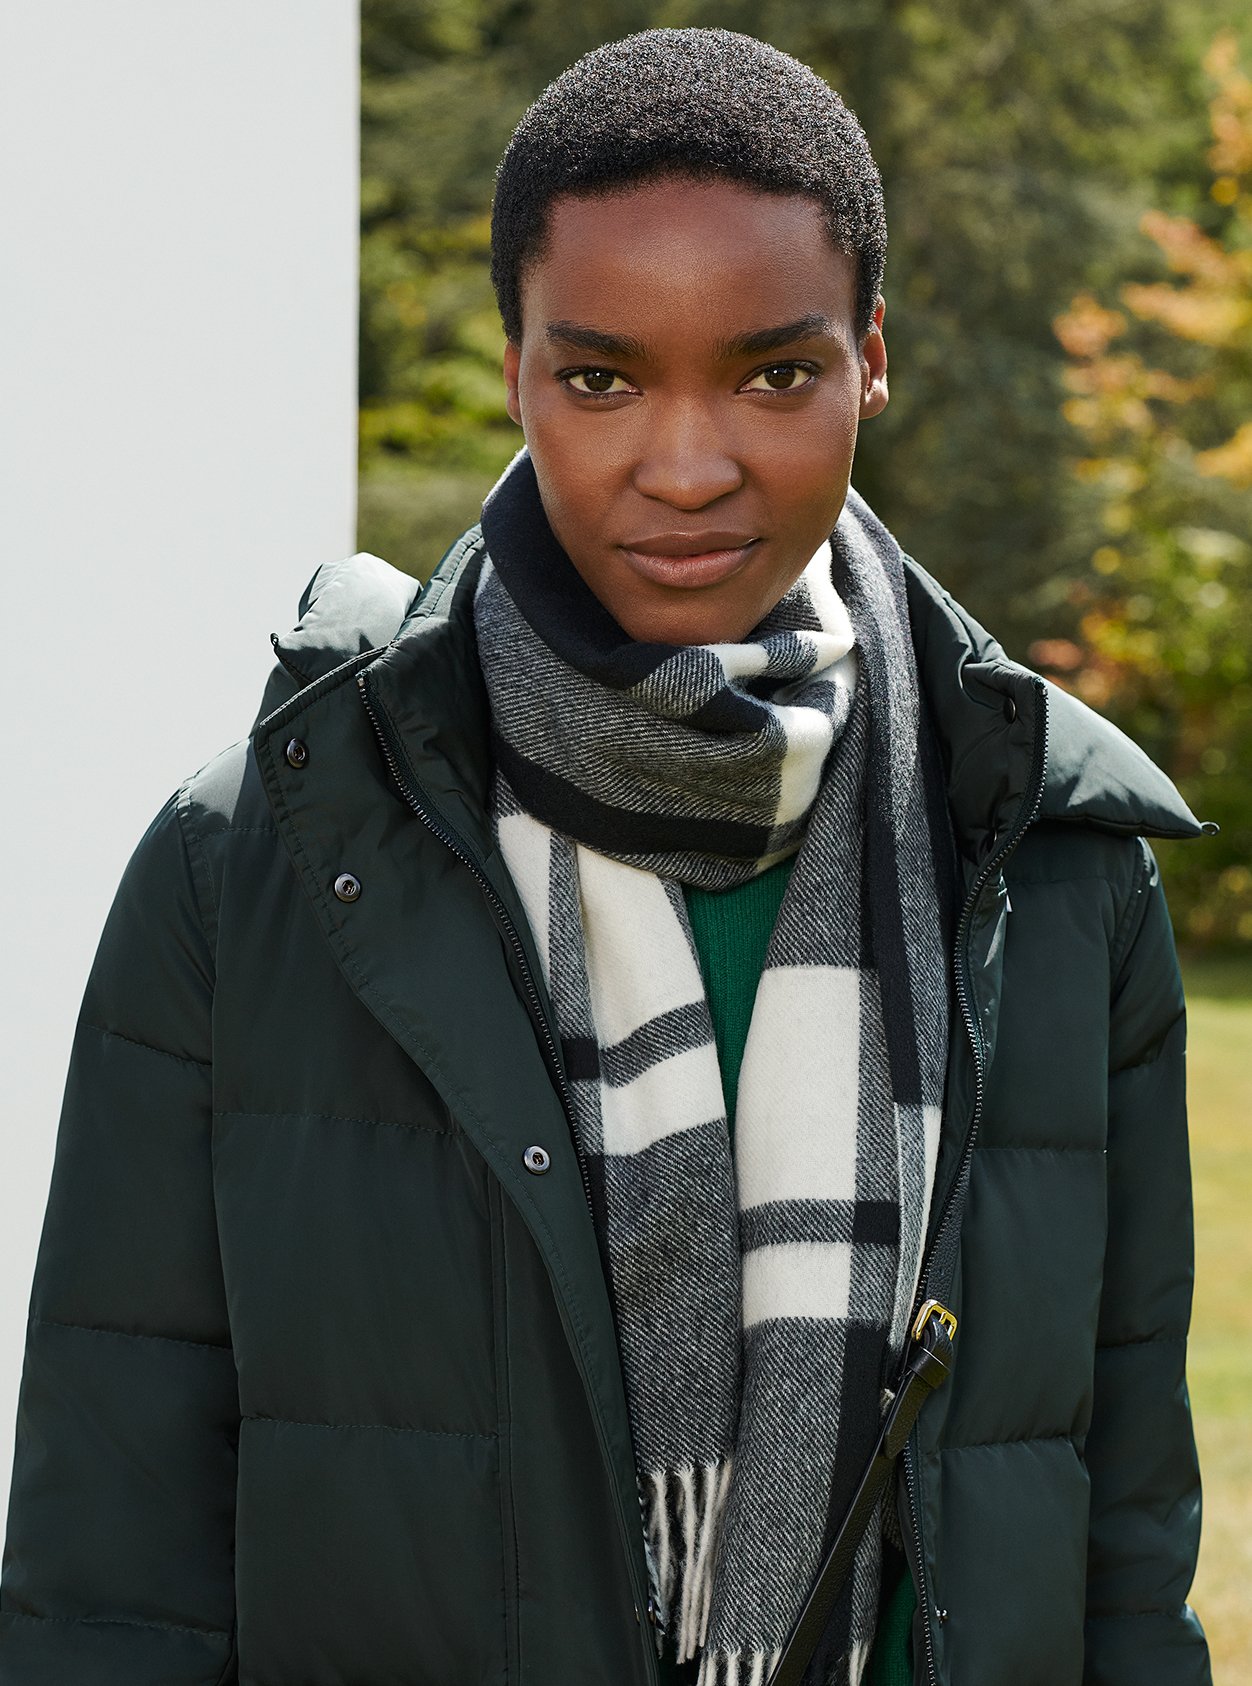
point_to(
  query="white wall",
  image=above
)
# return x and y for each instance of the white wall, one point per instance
(178, 210)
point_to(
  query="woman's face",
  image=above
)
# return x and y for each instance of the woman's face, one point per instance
(690, 384)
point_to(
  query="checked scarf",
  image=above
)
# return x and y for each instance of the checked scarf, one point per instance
(761, 1302)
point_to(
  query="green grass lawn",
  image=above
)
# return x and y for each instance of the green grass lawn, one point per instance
(1219, 1040)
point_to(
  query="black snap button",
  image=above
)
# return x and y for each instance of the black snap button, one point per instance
(1010, 709)
(537, 1159)
(347, 888)
(941, 1616)
(297, 753)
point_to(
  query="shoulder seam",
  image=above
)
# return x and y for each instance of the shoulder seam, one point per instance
(1132, 913)
(199, 867)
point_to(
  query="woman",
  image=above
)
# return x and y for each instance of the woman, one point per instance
(621, 1007)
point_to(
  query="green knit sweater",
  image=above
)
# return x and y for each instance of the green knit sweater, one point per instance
(732, 931)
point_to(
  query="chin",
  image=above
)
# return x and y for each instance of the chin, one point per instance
(686, 622)
(674, 626)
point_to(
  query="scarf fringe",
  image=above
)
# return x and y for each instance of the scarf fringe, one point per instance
(683, 1565)
(754, 1668)
(737, 1668)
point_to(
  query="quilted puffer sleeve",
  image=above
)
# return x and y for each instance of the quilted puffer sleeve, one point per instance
(1145, 1482)
(118, 1563)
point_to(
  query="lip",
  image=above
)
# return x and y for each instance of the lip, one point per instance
(670, 559)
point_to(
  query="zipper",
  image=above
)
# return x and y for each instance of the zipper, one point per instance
(394, 759)
(994, 863)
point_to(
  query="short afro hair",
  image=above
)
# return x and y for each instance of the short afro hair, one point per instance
(700, 103)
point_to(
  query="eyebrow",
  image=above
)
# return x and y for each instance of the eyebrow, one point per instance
(815, 325)
(583, 338)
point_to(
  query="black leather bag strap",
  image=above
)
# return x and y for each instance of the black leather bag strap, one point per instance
(927, 1364)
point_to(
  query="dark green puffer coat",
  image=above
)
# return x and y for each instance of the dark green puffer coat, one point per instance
(321, 1385)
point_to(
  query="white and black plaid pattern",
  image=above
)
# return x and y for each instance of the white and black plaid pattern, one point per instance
(761, 1303)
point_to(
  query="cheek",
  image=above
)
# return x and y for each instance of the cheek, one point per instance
(807, 471)
(564, 457)
(570, 487)
(805, 447)
(569, 442)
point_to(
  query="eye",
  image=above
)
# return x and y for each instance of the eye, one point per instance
(598, 383)
(780, 377)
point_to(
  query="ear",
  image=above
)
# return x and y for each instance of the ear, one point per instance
(512, 366)
(874, 365)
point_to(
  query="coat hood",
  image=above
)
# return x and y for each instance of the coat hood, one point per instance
(985, 707)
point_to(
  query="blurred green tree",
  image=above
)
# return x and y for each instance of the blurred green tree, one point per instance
(1161, 393)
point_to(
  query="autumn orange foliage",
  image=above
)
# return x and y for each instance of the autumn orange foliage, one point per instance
(1160, 392)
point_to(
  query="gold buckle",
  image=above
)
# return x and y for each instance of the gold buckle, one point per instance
(934, 1308)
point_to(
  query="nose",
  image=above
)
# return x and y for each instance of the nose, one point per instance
(687, 461)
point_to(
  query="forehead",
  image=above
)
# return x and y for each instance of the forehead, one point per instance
(677, 250)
